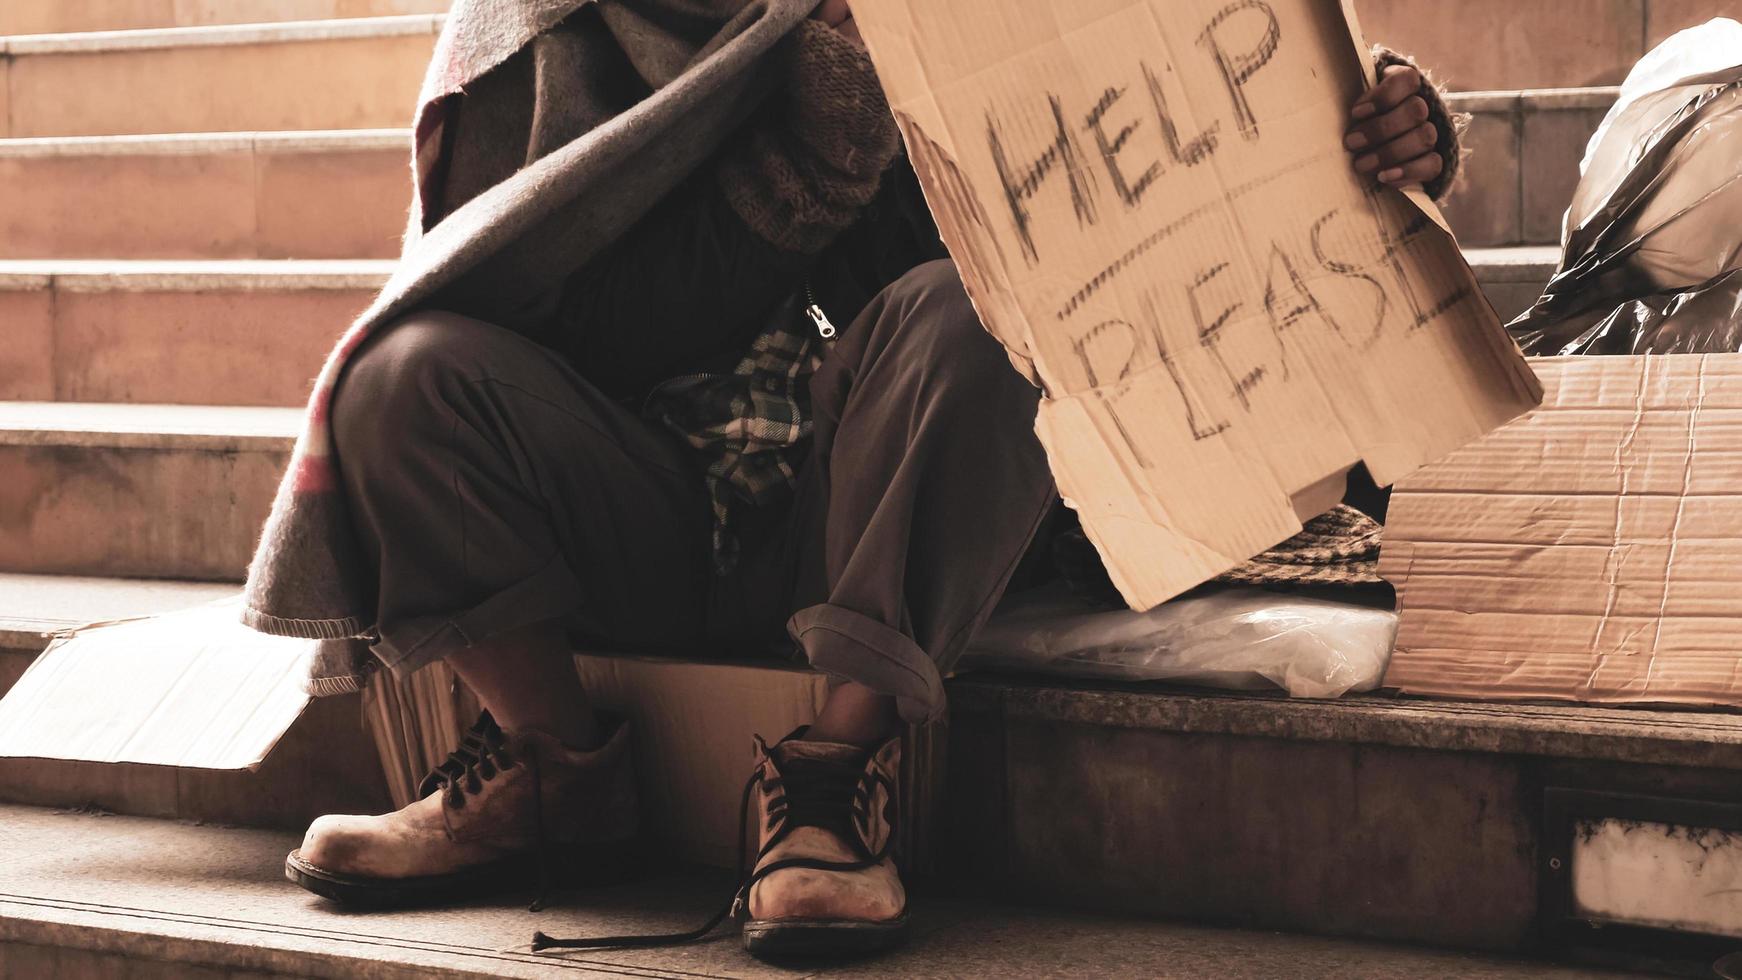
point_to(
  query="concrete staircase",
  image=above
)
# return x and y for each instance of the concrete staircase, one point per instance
(1514, 45)
(173, 267)
(1536, 79)
(175, 264)
(322, 194)
(155, 899)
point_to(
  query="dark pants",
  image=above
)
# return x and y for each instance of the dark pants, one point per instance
(496, 488)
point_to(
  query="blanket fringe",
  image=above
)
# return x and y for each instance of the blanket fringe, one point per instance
(303, 629)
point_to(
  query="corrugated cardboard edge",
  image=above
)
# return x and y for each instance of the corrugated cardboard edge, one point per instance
(1499, 660)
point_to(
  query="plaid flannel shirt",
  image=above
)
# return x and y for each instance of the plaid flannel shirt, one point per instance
(746, 424)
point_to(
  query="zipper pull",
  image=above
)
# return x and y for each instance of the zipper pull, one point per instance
(814, 310)
(825, 329)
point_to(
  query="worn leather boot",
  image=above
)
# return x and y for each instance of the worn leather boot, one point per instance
(825, 882)
(505, 810)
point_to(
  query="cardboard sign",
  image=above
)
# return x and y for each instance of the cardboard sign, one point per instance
(1151, 207)
(1590, 551)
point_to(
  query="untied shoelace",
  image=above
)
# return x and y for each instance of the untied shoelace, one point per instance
(830, 795)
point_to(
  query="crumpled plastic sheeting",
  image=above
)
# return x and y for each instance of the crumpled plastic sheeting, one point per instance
(1652, 243)
(1238, 639)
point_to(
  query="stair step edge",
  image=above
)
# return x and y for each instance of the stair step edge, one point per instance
(32, 606)
(194, 275)
(92, 425)
(199, 275)
(1515, 263)
(219, 35)
(1709, 738)
(191, 144)
(1546, 99)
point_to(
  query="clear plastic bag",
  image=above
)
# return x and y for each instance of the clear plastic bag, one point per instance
(1652, 242)
(1236, 639)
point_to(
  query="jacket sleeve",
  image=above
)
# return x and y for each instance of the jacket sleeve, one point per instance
(1450, 125)
(732, 240)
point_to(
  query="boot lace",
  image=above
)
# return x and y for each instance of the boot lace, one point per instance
(834, 796)
(482, 754)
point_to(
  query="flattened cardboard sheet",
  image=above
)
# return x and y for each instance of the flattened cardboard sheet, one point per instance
(194, 689)
(1151, 207)
(1590, 551)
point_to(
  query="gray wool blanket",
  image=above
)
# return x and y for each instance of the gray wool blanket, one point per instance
(592, 171)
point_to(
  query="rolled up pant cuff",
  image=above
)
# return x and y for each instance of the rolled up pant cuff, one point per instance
(847, 644)
(552, 592)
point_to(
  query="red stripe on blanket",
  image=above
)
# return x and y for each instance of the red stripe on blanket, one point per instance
(313, 474)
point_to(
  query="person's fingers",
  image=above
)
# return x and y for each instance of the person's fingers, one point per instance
(1421, 170)
(1384, 128)
(832, 12)
(1398, 82)
(1419, 141)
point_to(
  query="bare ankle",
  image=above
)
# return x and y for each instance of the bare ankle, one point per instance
(527, 679)
(576, 729)
(855, 715)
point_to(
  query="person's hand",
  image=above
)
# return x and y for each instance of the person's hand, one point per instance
(1389, 133)
(839, 15)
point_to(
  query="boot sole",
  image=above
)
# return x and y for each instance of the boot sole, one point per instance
(822, 938)
(571, 866)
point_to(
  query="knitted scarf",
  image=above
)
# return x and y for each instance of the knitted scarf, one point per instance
(707, 66)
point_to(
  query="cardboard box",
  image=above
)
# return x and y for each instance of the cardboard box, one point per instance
(691, 724)
(1590, 551)
(1151, 207)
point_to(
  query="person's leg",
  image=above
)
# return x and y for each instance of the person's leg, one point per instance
(922, 493)
(931, 482)
(855, 714)
(500, 499)
(503, 504)
(526, 679)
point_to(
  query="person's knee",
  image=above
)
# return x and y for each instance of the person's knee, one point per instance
(932, 295)
(938, 326)
(395, 378)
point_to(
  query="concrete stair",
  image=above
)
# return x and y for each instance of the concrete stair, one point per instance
(33, 607)
(62, 17)
(1420, 821)
(1513, 278)
(111, 486)
(127, 331)
(175, 264)
(361, 73)
(1480, 45)
(1369, 817)
(154, 899)
(158, 491)
(338, 194)
(1373, 817)
(1523, 162)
